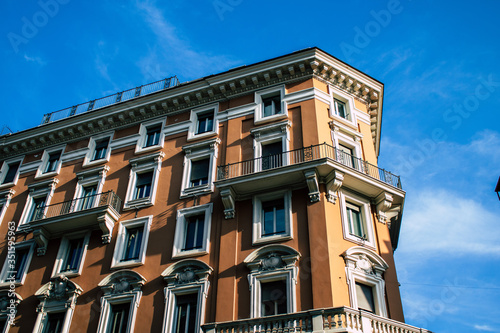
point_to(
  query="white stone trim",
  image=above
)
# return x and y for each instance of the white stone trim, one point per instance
(180, 230)
(41, 189)
(259, 95)
(192, 135)
(140, 146)
(5, 197)
(40, 173)
(63, 249)
(276, 132)
(86, 178)
(140, 165)
(194, 152)
(257, 237)
(367, 267)
(10, 260)
(5, 168)
(366, 216)
(87, 161)
(116, 261)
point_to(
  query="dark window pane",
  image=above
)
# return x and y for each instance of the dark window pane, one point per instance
(153, 135)
(274, 299)
(355, 221)
(143, 185)
(185, 313)
(273, 217)
(21, 261)
(199, 172)
(205, 122)
(133, 242)
(272, 155)
(194, 232)
(73, 255)
(88, 197)
(100, 149)
(271, 106)
(118, 319)
(54, 322)
(37, 209)
(365, 298)
(53, 161)
(11, 173)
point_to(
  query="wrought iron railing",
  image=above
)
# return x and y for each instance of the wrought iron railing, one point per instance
(79, 204)
(306, 154)
(342, 319)
(111, 99)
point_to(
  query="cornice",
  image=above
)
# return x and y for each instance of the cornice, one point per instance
(240, 81)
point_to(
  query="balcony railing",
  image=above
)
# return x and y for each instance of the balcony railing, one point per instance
(79, 204)
(341, 319)
(302, 155)
(111, 99)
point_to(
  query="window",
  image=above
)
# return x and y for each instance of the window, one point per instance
(38, 199)
(151, 136)
(9, 173)
(270, 105)
(204, 122)
(131, 242)
(272, 279)
(192, 231)
(10, 301)
(50, 163)
(356, 219)
(57, 303)
(272, 217)
(143, 185)
(270, 145)
(199, 172)
(5, 198)
(89, 187)
(273, 298)
(346, 156)
(364, 272)
(16, 264)
(88, 198)
(122, 294)
(71, 254)
(185, 296)
(340, 109)
(99, 150)
(143, 181)
(199, 167)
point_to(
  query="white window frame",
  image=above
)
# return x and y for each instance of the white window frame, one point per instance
(261, 95)
(121, 238)
(40, 173)
(52, 301)
(87, 161)
(187, 276)
(192, 135)
(142, 165)
(257, 237)
(63, 250)
(143, 131)
(195, 152)
(5, 198)
(272, 263)
(5, 169)
(348, 100)
(111, 285)
(13, 299)
(366, 216)
(366, 267)
(180, 230)
(277, 132)
(4, 275)
(37, 190)
(93, 177)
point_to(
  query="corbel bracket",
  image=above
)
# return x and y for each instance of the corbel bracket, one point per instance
(333, 183)
(383, 202)
(312, 184)
(227, 196)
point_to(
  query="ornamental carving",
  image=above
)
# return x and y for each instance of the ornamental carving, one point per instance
(271, 262)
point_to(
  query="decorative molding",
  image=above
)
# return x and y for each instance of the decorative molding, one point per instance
(312, 184)
(41, 237)
(228, 197)
(333, 184)
(384, 203)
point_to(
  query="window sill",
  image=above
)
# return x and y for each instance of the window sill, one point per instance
(138, 203)
(190, 253)
(66, 274)
(360, 241)
(196, 190)
(47, 175)
(95, 162)
(271, 239)
(7, 284)
(193, 137)
(147, 149)
(7, 185)
(125, 264)
(263, 120)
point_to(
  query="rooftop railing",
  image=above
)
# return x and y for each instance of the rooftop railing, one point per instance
(302, 155)
(342, 319)
(111, 99)
(79, 204)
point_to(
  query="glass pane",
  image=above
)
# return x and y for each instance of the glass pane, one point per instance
(274, 299)
(73, 256)
(365, 298)
(21, 260)
(273, 217)
(100, 149)
(118, 319)
(194, 232)
(133, 242)
(54, 322)
(272, 155)
(185, 313)
(11, 173)
(88, 198)
(143, 185)
(205, 123)
(37, 209)
(153, 136)
(52, 162)
(199, 172)
(355, 221)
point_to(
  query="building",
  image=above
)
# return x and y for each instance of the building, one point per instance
(246, 200)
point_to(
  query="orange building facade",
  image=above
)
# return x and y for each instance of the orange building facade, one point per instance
(247, 200)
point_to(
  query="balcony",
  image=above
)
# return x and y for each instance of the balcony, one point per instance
(96, 211)
(329, 320)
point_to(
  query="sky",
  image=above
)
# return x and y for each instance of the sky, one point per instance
(438, 61)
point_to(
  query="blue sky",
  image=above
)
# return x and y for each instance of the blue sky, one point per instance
(441, 121)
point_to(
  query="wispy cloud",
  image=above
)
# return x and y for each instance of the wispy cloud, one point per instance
(484, 328)
(171, 51)
(36, 60)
